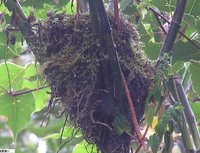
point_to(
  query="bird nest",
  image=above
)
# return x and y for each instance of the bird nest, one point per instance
(79, 73)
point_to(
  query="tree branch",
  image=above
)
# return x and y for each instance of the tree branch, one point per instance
(174, 28)
(189, 115)
(167, 48)
(181, 33)
(19, 93)
(20, 18)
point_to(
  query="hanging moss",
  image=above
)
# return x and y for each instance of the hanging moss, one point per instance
(74, 64)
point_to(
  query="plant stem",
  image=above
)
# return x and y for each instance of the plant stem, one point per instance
(189, 115)
(180, 32)
(19, 93)
(174, 28)
(116, 12)
(20, 18)
(77, 10)
(185, 134)
(178, 88)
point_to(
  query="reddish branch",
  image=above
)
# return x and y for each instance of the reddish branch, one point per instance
(116, 12)
(132, 109)
(77, 10)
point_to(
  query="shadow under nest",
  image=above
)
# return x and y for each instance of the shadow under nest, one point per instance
(79, 73)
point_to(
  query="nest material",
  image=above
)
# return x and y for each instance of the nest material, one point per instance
(78, 70)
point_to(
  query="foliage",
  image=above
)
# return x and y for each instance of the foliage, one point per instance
(23, 91)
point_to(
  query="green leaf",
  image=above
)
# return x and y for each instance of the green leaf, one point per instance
(18, 110)
(30, 70)
(124, 3)
(154, 142)
(176, 67)
(160, 128)
(9, 51)
(41, 98)
(14, 78)
(195, 73)
(149, 113)
(196, 110)
(185, 51)
(67, 134)
(186, 76)
(197, 24)
(190, 19)
(121, 124)
(152, 50)
(164, 5)
(157, 93)
(130, 9)
(84, 147)
(192, 6)
(54, 126)
(145, 36)
(30, 82)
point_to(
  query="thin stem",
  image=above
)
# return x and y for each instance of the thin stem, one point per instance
(182, 122)
(188, 114)
(77, 10)
(20, 18)
(4, 89)
(8, 73)
(173, 30)
(19, 93)
(182, 34)
(185, 134)
(133, 114)
(116, 12)
(160, 24)
(7, 69)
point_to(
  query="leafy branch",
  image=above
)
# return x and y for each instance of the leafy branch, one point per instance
(177, 86)
(19, 17)
(157, 15)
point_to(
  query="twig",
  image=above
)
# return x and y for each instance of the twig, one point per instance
(7, 69)
(4, 90)
(133, 114)
(100, 123)
(188, 114)
(174, 28)
(63, 128)
(116, 12)
(20, 18)
(186, 37)
(143, 137)
(50, 108)
(19, 93)
(160, 24)
(77, 10)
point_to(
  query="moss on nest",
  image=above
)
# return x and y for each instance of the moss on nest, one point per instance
(75, 63)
